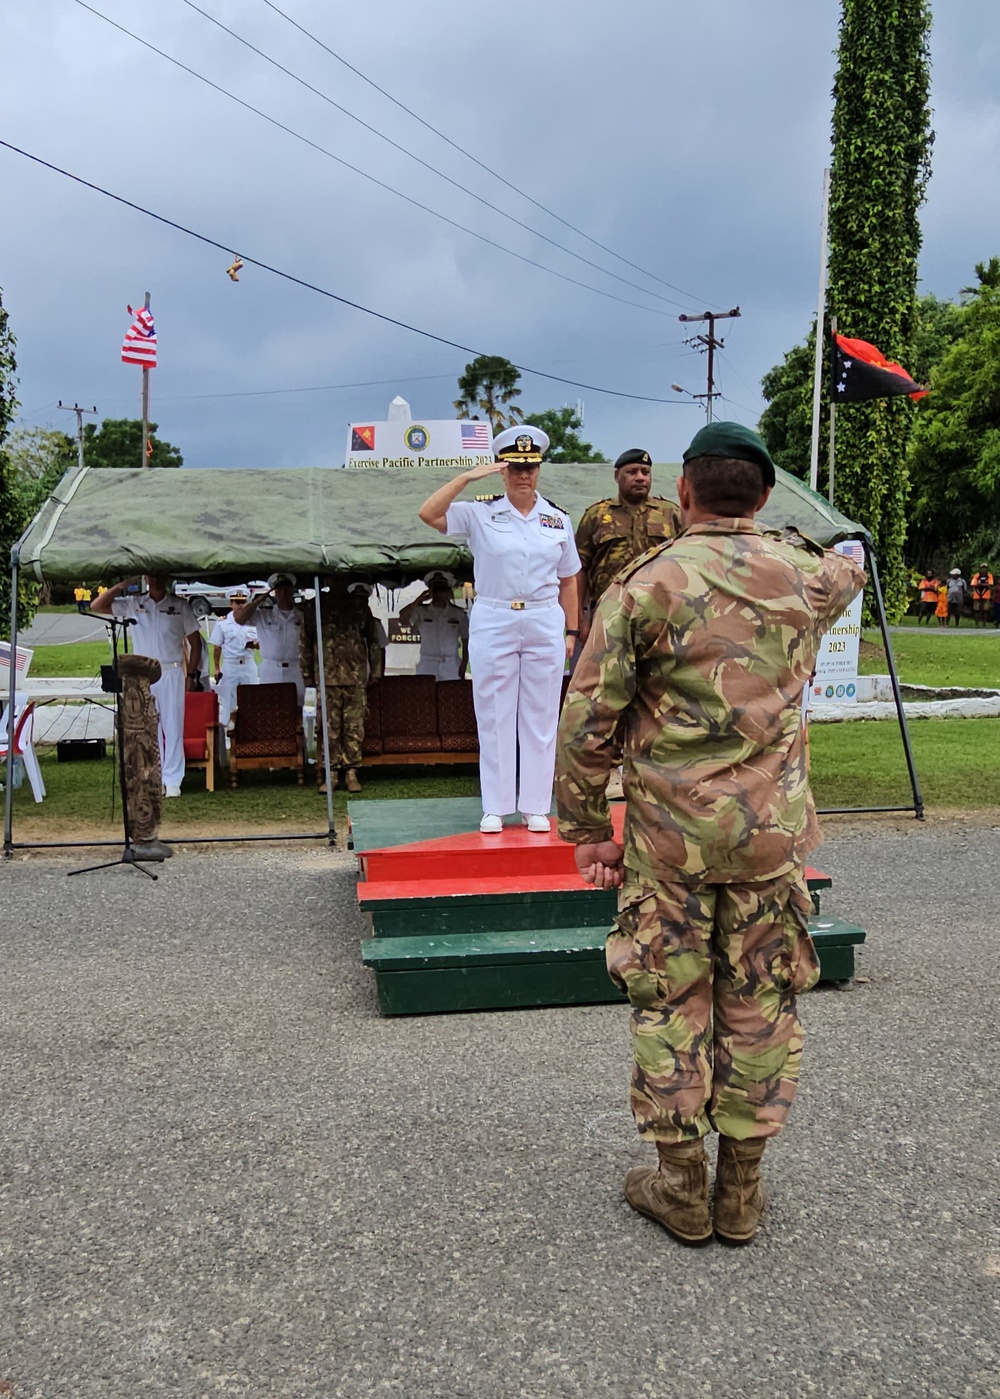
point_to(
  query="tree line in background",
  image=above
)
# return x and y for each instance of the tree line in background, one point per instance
(949, 481)
(487, 388)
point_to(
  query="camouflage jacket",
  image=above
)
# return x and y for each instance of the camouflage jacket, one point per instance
(698, 658)
(352, 641)
(611, 535)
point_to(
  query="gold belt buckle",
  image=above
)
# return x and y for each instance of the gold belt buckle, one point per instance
(517, 606)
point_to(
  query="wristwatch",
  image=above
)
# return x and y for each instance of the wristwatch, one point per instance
(572, 631)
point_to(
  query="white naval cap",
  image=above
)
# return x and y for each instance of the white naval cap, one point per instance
(524, 443)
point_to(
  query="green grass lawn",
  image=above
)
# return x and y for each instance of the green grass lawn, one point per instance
(929, 658)
(75, 658)
(855, 764)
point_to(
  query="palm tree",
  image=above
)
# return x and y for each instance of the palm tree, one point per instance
(487, 387)
(988, 274)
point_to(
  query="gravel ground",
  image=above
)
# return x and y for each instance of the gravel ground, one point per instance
(224, 1174)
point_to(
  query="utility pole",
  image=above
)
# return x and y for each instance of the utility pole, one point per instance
(710, 343)
(79, 426)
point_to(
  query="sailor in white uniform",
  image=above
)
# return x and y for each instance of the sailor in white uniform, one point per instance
(524, 622)
(162, 625)
(233, 647)
(279, 627)
(443, 628)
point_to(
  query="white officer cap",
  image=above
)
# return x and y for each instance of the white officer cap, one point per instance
(521, 445)
(449, 578)
(238, 594)
(278, 578)
(365, 588)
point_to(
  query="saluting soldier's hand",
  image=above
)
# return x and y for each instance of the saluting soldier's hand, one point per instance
(489, 468)
(602, 865)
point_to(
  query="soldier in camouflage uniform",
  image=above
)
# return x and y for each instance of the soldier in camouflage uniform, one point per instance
(698, 656)
(612, 533)
(353, 648)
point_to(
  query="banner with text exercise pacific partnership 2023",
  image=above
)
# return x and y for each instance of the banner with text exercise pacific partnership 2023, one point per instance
(449, 442)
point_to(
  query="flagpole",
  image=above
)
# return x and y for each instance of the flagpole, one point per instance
(820, 337)
(145, 404)
(833, 426)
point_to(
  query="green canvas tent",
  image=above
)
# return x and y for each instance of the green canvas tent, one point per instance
(246, 522)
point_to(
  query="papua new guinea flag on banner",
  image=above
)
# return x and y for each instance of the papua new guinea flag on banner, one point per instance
(363, 438)
(861, 372)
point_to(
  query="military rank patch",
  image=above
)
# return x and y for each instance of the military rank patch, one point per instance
(551, 521)
(490, 497)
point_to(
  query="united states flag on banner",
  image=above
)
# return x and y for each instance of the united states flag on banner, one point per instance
(22, 659)
(476, 437)
(853, 550)
(140, 339)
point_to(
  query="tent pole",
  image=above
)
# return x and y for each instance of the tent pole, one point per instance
(833, 429)
(321, 697)
(820, 338)
(918, 801)
(8, 786)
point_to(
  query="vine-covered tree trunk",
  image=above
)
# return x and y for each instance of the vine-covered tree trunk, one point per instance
(881, 160)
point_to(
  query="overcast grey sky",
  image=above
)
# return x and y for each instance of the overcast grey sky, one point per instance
(688, 137)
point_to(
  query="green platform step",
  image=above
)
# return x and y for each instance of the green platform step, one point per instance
(550, 966)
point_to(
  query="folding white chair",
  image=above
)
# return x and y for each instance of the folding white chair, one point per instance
(24, 748)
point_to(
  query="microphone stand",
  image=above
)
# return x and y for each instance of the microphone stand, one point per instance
(114, 683)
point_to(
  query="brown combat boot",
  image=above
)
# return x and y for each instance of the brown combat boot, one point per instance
(676, 1194)
(740, 1196)
(321, 783)
(351, 781)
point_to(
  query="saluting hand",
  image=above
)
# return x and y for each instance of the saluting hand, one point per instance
(490, 468)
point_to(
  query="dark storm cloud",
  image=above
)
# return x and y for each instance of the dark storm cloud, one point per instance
(690, 138)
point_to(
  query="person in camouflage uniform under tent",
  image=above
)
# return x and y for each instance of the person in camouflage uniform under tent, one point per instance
(698, 658)
(353, 659)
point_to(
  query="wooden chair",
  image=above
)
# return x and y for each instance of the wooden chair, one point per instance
(201, 726)
(266, 730)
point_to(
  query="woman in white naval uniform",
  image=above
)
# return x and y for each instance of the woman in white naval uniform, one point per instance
(523, 626)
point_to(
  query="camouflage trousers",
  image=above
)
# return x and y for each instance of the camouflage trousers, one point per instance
(345, 708)
(712, 972)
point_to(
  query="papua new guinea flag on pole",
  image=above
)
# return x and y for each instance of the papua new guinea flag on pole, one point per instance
(862, 372)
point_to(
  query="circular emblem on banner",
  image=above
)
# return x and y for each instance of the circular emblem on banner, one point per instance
(416, 437)
(840, 692)
(829, 692)
(851, 691)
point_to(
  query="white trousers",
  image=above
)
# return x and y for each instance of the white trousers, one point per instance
(274, 673)
(168, 694)
(517, 660)
(241, 672)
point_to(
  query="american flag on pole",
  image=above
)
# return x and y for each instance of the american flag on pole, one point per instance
(476, 437)
(140, 339)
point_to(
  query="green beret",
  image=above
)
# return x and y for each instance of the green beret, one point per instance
(732, 440)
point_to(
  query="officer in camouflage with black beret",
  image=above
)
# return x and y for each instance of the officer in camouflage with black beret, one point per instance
(697, 661)
(613, 532)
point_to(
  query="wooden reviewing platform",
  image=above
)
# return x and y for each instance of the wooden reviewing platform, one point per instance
(463, 921)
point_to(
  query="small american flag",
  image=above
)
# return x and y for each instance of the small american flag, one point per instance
(853, 549)
(476, 437)
(22, 660)
(140, 339)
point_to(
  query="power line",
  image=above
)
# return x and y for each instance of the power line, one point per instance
(311, 286)
(435, 213)
(475, 160)
(456, 184)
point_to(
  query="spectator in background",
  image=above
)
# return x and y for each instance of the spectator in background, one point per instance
(928, 597)
(958, 593)
(941, 611)
(982, 595)
(279, 630)
(233, 662)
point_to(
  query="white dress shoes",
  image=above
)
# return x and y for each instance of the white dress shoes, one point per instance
(538, 824)
(172, 792)
(491, 825)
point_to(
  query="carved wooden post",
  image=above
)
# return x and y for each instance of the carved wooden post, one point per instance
(141, 747)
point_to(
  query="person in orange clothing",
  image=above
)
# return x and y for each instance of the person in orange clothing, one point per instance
(982, 595)
(941, 611)
(928, 590)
